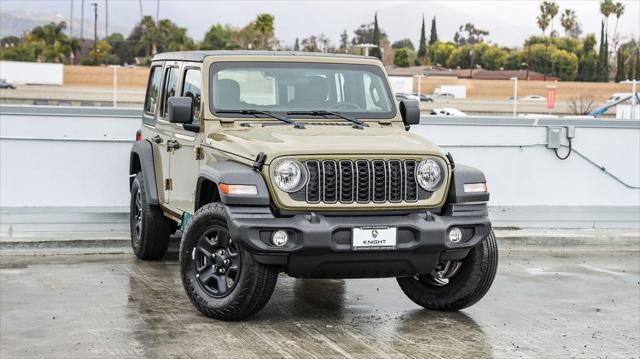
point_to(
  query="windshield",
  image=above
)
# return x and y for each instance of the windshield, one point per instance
(356, 90)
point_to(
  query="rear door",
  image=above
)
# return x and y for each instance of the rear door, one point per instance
(154, 132)
(165, 129)
(186, 158)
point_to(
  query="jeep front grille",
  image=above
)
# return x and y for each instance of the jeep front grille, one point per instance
(361, 181)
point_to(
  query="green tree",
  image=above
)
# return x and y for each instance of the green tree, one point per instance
(569, 22)
(564, 65)
(401, 57)
(403, 44)
(434, 32)
(473, 35)
(460, 58)
(514, 61)
(620, 65)
(264, 24)
(104, 49)
(344, 41)
(422, 45)
(494, 58)
(149, 37)
(551, 9)
(636, 73)
(296, 45)
(50, 43)
(439, 52)
(310, 44)
(220, 37)
(588, 63)
(376, 51)
(543, 20)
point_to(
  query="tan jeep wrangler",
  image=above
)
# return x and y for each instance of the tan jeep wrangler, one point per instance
(300, 163)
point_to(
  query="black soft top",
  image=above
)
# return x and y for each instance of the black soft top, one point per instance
(199, 56)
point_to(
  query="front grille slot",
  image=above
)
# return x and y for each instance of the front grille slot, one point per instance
(362, 181)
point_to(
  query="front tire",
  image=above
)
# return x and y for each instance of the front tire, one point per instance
(469, 281)
(222, 280)
(150, 229)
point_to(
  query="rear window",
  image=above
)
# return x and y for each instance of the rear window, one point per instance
(152, 89)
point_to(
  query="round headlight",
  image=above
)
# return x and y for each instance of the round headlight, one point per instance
(429, 175)
(289, 175)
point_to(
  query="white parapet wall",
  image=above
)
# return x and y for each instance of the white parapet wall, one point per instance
(55, 160)
(32, 73)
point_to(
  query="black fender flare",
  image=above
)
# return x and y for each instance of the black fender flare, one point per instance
(230, 172)
(141, 159)
(460, 175)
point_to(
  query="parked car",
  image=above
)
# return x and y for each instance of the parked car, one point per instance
(423, 97)
(401, 96)
(533, 98)
(262, 187)
(444, 95)
(447, 111)
(6, 84)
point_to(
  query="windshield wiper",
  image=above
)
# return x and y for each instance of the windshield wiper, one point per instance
(329, 113)
(266, 113)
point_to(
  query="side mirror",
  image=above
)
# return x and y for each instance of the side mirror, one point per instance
(410, 112)
(180, 110)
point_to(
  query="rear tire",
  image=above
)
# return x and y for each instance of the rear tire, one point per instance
(150, 229)
(465, 288)
(222, 280)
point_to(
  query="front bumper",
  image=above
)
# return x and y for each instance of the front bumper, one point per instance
(319, 245)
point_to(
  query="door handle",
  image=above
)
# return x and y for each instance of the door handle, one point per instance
(173, 145)
(157, 139)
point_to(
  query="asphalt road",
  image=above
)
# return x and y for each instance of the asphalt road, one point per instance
(540, 306)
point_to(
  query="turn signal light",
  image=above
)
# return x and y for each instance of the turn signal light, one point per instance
(476, 187)
(238, 189)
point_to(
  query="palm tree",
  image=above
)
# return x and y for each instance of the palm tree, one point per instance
(618, 10)
(543, 21)
(149, 38)
(551, 9)
(569, 21)
(607, 8)
(264, 26)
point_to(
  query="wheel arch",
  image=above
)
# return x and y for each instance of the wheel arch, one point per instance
(229, 172)
(141, 160)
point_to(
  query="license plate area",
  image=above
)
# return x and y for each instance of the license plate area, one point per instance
(374, 238)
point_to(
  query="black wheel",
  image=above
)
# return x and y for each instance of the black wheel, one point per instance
(456, 285)
(150, 229)
(222, 280)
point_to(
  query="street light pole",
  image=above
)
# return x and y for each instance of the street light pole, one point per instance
(419, 84)
(515, 96)
(95, 32)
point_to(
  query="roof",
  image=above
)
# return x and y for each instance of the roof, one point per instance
(199, 56)
(481, 74)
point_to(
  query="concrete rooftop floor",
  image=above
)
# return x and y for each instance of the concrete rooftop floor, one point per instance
(116, 306)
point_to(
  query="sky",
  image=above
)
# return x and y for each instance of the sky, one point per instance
(508, 22)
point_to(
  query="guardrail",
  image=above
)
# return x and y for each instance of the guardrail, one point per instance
(72, 158)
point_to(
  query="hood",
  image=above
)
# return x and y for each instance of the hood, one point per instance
(330, 139)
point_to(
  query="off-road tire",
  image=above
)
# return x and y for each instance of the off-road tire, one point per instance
(154, 229)
(467, 287)
(254, 286)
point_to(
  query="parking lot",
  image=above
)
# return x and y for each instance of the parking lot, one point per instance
(116, 306)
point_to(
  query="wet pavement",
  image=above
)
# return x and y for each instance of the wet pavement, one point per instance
(87, 306)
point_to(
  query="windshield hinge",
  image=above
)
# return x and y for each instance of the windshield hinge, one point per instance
(261, 158)
(385, 123)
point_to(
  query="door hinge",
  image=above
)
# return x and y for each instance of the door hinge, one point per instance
(199, 153)
(168, 184)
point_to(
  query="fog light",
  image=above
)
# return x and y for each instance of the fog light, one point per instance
(455, 235)
(279, 238)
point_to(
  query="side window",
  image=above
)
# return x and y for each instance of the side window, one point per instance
(170, 86)
(152, 90)
(192, 88)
